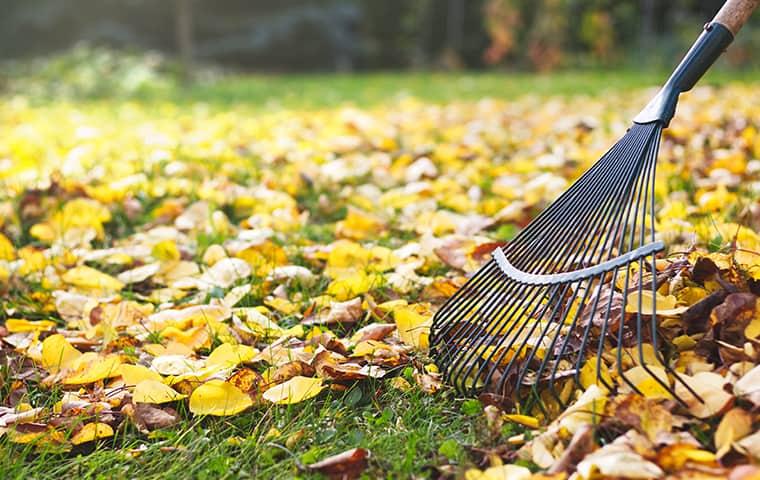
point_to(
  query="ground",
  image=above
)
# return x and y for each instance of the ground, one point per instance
(307, 208)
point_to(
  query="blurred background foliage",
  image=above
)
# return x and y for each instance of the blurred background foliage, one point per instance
(76, 40)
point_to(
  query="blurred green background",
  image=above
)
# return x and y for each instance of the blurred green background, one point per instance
(97, 48)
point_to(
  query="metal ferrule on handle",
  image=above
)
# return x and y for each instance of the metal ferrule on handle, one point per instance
(708, 47)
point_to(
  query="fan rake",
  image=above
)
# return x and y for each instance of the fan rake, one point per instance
(574, 292)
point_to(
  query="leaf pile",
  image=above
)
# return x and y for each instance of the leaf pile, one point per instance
(160, 264)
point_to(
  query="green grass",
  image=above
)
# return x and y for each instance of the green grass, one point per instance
(314, 91)
(406, 433)
(318, 91)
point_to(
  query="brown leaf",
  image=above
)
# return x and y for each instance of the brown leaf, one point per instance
(730, 318)
(646, 415)
(582, 444)
(339, 313)
(346, 465)
(735, 425)
(290, 370)
(151, 417)
(374, 331)
(246, 380)
(697, 316)
(703, 269)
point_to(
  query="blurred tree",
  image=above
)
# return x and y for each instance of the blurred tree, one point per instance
(370, 34)
(184, 32)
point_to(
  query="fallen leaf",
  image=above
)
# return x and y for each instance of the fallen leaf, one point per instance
(500, 472)
(134, 374)
(91, 432)
(219, 398)
(349, 464)
(413, 325)
(617, 461)
(58, 354)
(735, 425)
(712, 398)
(294, 390)
(152, 391)
(90, 279)
(149, 417)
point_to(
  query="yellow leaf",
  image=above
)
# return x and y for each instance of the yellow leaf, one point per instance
(282, 305)
(194, 338)
(735, 425)
(650, 381)
(295, 390)
(588, 374)
(92, 431)
(264, 257)
(91, 279)
(6, 248)
(660, 304)
(227, 355)
(346, 256)
(165, 250)
(134, 374)
(359, 225)
(152, 391)
(499, 472)
(368, 347)
(98, 368)
(57, 353)
(18, 325)
(74, 220)
(752, 330)
(528, 421)
(674, 457)
(413, 324)
(218, 398)
(354, 284)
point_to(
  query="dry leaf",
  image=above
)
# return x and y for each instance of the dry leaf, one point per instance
(349, 464)
(219, 398)
(295, 390)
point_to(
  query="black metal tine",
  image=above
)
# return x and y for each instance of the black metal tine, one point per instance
(496, 324)
(537, 224)
(534, 348)
(551, 293)
(597, 193)
(488, 273)
(640, 188)
(524, 242)
(571, 250)
(485, 302)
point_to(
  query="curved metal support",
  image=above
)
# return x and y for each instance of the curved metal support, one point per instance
(556, 278)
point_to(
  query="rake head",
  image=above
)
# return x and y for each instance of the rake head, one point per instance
(571, 300)
(573, 287)
(559, 293)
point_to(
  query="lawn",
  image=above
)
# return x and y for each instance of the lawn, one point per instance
(292, 212)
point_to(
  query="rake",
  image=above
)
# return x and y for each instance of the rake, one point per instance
(574, 291)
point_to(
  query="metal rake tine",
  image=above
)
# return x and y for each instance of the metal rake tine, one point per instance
(613, 168)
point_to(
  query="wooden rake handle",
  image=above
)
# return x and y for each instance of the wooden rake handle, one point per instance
(735, 13)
